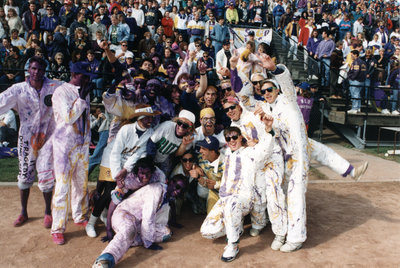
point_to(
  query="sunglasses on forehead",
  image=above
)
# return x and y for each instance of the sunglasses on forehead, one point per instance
(269, 89)
(230, 108)
(234, 137)
(183, 124)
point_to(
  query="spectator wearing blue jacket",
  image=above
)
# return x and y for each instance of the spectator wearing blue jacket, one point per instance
(219, 34)
(277, 12)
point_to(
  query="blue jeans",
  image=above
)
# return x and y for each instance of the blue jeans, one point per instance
(355, 90)
(325, 64)
(217, 46)
(98, 91)
(95, 158)
(277, 19)
(394, 99)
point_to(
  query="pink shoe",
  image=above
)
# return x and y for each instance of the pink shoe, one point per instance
(20, 220)
(82, 223)
(58, 238)
(48, 220)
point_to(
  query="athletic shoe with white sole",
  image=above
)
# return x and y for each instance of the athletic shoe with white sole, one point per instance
(230, 252)
(255, 232)
(360, 170)
(278, 242)
(395, 112)
(290, 247)
(385, 111)
(352, 111)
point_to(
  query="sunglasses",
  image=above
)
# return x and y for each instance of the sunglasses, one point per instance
(269, 89)
(124, 45)
(227, 89)
(187, 159)
(183, 124)
(230, 108)
(234, 137)
(256, 82)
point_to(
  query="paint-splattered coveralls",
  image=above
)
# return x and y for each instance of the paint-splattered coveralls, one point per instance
(71, 140)
(237, 191)
(141, 219)
(37, 124)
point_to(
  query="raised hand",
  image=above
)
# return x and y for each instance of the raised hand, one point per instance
(201, 66)
(266, 62)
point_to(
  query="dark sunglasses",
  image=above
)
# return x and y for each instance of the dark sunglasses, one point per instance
(187, 159)
(230, 108)
(270, 89)
(234, 137)
(183, 124)
(227, 89)
(256, 82)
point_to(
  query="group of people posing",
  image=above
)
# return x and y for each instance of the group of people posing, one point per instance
(233, 148)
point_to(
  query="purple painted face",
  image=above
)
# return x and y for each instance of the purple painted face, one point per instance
(36, 72)
(176, 188)
(172, 71)
(144, 175)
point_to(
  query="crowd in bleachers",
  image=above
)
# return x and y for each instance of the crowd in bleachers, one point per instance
(329, 31)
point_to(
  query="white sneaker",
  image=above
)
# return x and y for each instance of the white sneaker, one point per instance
(230, 252)
(352, 111)
(295, 58)
(290, 247)
(395, 112)
(278, 242)
(360, 170)
(255, 232)
(315, 77)
(90, 231)
(385, 111)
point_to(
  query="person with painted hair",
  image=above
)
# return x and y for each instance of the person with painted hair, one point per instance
(237, 190)
(32, 101)
(290, 133)
(269, 194)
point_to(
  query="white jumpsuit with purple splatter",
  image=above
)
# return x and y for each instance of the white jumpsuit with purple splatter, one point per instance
(268, 181)
(291, 135)
(141, 219)
(237, 191)
(35, 151)
(71, 140)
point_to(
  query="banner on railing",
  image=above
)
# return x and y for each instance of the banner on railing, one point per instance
(241, 36)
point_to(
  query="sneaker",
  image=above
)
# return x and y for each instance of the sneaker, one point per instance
(20, 220)
(255, 232)
(47, 221)
(395, 112)
(95, 100)
(352, 111)
(314, 77)
(230, 252)
(359, 171)
(90, 231)
(385, 111)
(58, 238)
(101, 264)
(82, 223)
(278, 242)
(290, 247)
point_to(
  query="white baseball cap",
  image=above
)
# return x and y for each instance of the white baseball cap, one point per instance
(187, 115)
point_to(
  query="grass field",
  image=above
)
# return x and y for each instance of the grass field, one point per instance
(9, 170)
(9, 166)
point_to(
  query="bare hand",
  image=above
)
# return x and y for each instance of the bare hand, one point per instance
(266, 62)
(259, 110)
(187, 140)
(210, 184)
(201, 66)
(234, 60)
(268, 120)
(120, 178)
(104, 45)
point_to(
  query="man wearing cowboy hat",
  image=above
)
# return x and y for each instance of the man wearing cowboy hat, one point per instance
(129, 146)
(71, 140)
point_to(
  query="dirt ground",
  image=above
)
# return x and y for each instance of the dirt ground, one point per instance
(349, 224)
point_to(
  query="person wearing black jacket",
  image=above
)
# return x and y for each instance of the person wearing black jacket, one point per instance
(31, 20)
(336, 62)
(370, 77)
(357, 75)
